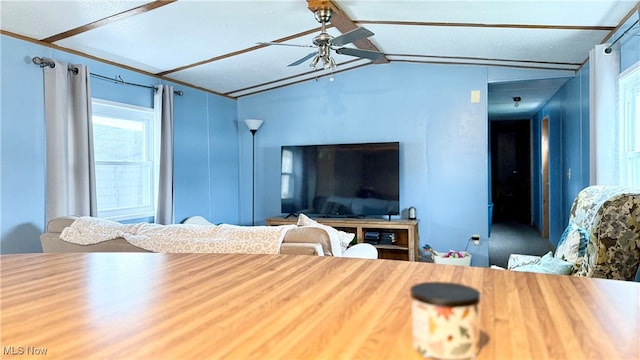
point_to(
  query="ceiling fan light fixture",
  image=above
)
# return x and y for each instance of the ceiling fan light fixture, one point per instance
(326, 43)
(326, 62)
(315, 61)
(516, 101)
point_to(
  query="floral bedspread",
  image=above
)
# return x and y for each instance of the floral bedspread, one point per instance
(180, 238)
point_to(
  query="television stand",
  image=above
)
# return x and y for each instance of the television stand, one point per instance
(406, 242)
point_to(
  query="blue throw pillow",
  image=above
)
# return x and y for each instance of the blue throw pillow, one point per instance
(572, 246)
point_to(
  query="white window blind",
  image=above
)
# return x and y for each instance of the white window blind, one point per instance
(124, 137)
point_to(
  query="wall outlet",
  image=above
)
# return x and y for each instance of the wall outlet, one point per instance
(475, 238)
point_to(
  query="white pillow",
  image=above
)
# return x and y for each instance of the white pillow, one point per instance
(340, 240)
(548, 265)
(345, 239)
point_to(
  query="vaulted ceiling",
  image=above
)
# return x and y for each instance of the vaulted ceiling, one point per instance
(214, 45)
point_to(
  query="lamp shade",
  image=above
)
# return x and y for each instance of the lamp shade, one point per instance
(253, 124)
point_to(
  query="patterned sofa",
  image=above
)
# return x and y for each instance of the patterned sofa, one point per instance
(602, 238)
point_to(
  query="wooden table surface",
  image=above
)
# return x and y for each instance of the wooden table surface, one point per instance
(200, 306)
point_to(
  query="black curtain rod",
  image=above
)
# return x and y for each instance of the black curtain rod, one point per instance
(44, 62)
(119, 80)
(608, 48)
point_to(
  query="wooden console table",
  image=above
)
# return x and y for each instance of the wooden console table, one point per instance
(407, 242)
(215, 306)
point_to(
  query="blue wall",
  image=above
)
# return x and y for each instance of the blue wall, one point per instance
(22, 142)
(568, 113)
(427, 108)
(629, 44)
(206, 157)
(206, 143)
(568, 149)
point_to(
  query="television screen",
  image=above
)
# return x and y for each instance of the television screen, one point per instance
(344, 180)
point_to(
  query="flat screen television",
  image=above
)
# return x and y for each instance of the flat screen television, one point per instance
(341, 180)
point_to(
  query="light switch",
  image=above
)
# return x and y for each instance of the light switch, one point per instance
(475, 96)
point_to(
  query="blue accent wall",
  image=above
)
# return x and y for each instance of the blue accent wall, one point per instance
(205, 141)
(22, 141)
(205, 157)
(569, 138)
(427, 108)
(629, 44)
(568, 153)
(536, 173)
(553, 110)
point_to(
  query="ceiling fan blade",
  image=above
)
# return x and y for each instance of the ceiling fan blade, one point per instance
(275, 43)
(303, 59)
(351, 36)
(367, 54)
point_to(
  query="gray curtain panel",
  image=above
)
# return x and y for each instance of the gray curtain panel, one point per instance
(70, 167)
(163, 101)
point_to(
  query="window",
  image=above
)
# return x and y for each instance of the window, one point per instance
(287, 175)
(126, 158)
(630, 126)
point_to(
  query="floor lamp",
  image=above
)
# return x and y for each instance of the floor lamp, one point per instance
(253, 125)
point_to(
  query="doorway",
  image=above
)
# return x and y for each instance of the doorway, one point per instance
(544, 155)
(511, 170)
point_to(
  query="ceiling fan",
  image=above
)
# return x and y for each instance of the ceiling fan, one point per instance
(325, 43)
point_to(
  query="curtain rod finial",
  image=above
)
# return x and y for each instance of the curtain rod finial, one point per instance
(43, 62)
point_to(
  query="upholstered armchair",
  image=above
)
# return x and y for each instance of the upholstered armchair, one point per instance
(602, 238)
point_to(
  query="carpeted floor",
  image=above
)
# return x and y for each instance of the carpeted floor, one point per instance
(514, 238)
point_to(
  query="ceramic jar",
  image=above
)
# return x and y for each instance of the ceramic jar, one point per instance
(446, 322)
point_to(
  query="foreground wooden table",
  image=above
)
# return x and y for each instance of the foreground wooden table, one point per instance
(197, 306)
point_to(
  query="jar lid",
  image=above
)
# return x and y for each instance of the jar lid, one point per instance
(447, 294)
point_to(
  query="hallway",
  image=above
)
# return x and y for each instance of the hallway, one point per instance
(514, 238)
